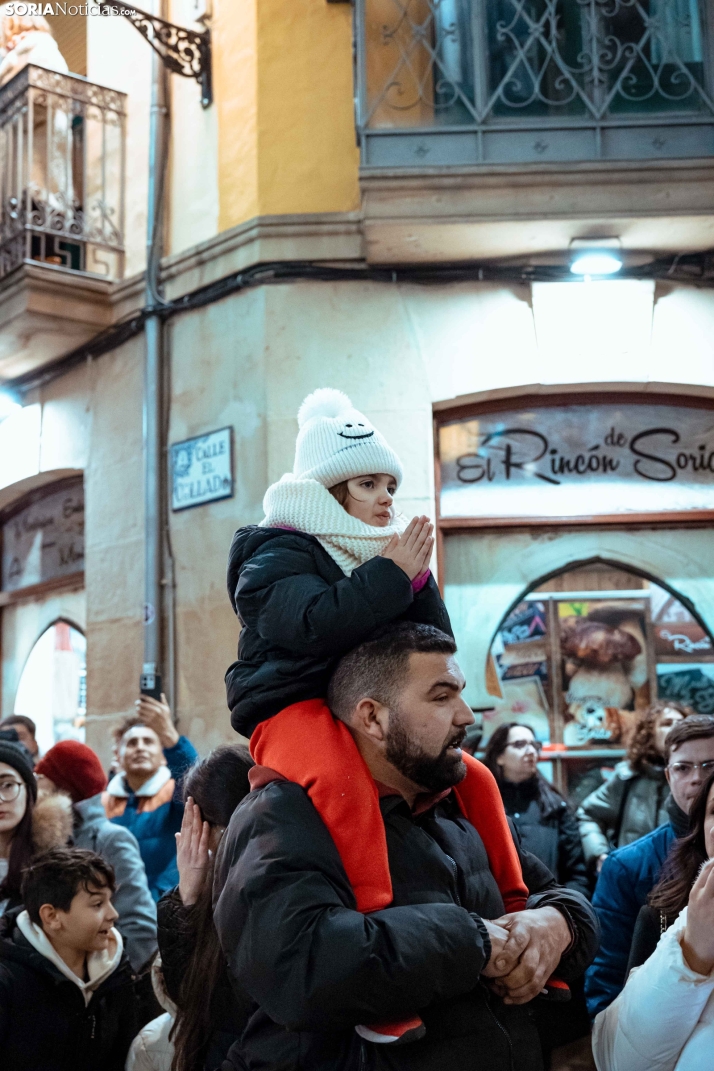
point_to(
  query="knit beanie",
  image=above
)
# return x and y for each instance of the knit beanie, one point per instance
(74, 768)
(16, 755)
(336, 442)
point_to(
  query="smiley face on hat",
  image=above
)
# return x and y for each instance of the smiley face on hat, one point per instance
(356, 431)
(336, 442)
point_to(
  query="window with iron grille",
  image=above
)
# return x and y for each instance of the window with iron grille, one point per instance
(514, 81)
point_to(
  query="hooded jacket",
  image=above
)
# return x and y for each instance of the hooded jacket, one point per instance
(51, 1020)
(300, 613)
(621, 810)
(132, 899)
(625, 881)
(314, 967)
(664, 1018)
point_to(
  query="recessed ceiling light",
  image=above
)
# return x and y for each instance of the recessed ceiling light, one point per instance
(596, 262)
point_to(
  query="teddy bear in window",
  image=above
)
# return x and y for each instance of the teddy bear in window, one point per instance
(605, 662)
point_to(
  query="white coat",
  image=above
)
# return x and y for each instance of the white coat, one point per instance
(151, 1049)
(663, 1020)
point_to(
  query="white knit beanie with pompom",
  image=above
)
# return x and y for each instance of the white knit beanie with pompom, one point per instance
(336, 442)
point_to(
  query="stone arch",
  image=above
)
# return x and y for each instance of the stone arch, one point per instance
(56, 689)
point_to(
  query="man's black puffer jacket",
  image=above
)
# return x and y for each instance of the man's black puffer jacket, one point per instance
(315, 967)
(300, 613)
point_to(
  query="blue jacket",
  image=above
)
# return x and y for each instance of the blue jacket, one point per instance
(627, 877)
(154, 814)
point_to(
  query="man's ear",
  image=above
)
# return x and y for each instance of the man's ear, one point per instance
(49, 917)
(666, 774)
(370, 718)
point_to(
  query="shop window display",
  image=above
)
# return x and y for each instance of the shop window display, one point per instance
(581, 654)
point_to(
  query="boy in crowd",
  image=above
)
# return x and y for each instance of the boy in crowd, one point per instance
(66, 996)
(74, 769)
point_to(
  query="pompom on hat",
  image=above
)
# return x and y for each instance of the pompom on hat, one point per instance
(336, 442)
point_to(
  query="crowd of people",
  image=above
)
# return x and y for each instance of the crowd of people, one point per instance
(356, 891)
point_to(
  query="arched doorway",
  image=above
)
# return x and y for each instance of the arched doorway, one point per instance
(41, 588)
(52, 687)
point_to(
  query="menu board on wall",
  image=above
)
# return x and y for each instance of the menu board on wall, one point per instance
(578, 460)
(45, 540)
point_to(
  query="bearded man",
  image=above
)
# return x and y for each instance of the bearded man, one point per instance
(327, 980)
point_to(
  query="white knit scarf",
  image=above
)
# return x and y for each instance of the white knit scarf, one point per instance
(309, 507)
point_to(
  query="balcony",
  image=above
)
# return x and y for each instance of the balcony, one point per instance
(521, 81)
(537, 111)
(62, 146)
(61, 173)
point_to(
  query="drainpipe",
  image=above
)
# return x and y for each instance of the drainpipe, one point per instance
(152, 407)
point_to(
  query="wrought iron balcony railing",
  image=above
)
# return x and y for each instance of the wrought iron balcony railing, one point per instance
(62, 143)
(465, 82)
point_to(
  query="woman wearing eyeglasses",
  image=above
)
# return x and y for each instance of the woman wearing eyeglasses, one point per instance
(663, 1020)
(633, 801)
(26, 827)
(546, 824)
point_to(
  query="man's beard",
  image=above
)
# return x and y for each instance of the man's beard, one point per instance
(432, 773)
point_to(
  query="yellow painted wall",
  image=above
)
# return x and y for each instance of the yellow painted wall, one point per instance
(284, 90)
(235, 89)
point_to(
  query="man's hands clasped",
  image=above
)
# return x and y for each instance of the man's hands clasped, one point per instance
(526, 948)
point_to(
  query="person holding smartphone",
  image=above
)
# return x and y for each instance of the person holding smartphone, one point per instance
(146, 796)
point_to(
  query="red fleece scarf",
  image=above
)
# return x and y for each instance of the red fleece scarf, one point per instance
(307, 745)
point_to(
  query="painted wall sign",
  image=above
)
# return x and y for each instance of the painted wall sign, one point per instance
(578, 460)
(693, 685)
(202, 469)
(45, 540)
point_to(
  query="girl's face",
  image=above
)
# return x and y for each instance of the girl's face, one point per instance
(709, 825)
(13, 798)
(664, 724)
(370, 498)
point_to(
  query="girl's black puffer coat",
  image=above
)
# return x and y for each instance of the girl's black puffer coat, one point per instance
(300, 613)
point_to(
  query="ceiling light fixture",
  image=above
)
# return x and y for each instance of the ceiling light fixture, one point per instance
(596, 262)
(595, 256)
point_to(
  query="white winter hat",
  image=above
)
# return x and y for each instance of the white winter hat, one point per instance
(336, 442)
